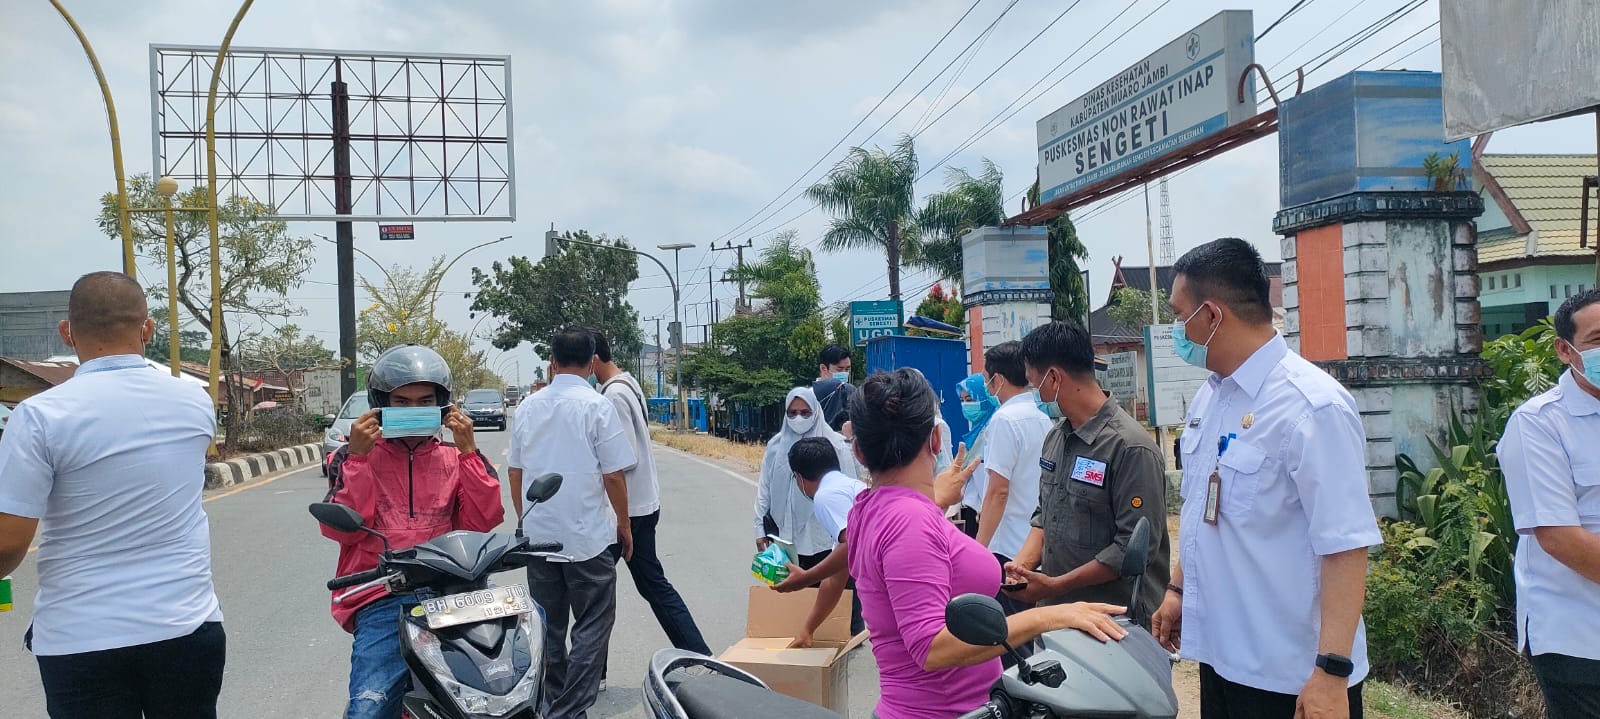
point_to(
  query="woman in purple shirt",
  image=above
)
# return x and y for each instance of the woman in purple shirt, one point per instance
(908, 561)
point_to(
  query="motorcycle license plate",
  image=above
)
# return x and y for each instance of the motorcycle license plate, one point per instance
(482, 605)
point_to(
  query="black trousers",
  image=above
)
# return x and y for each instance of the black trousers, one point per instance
(1222, 699)
(1571, 685)
(969, 520)
(173, 679)
(583, 594)
(857, 624)
(650, 578)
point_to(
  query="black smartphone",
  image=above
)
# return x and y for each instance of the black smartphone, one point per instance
(1014, 586)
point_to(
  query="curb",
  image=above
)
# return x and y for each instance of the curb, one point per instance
(221, 475)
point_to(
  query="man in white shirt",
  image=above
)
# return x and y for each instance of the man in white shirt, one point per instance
(1012, 445)
(833, 493)
(1553, 478)
(1276, 520)
(570, 429)
(644, 504)
(111, 464)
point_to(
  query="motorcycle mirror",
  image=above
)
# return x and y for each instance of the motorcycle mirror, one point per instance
(543, 487)
(338, 516)
(977, 620)
(1138, 551)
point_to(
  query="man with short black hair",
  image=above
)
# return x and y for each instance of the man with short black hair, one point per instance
(1010, 489)
(832, 386)
(815, 464)
(1553, 478)
(112, 464)
(644, 504)
(1276, 520)
(571, 429)
(1101, 473)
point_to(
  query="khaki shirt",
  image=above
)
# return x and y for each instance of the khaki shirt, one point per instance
(1097, 481)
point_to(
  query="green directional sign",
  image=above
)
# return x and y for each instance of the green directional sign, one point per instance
(877, 318)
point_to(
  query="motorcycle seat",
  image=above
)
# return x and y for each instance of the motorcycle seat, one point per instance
(716, 696)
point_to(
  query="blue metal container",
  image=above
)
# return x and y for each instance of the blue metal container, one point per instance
(943, 362)
(1363, 132)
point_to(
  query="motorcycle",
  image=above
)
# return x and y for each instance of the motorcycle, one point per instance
(1074, 674)
(685, 685)
(474, 650)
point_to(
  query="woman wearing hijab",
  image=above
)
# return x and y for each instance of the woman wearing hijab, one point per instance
(979, 406)
(781, 508)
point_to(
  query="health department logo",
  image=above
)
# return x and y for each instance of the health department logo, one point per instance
(1193, 46)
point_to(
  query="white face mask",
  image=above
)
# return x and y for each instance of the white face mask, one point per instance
(801, 425)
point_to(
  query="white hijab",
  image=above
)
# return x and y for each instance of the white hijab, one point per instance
(780, 497)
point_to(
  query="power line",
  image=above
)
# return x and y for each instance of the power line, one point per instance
(992, 125)
(1403, 58)
(886, 122)
(863, 119)
(1281, 18)
(1409, 38)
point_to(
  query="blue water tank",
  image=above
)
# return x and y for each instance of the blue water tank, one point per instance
(942, 361)
(1363, 132)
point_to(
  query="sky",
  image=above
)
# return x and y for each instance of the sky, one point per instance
(681, 121)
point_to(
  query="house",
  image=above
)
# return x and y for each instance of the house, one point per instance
(21, 379)
(1529, 258)
(1110, 336)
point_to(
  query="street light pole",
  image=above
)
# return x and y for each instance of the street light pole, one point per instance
(169, 187)
(553, 246)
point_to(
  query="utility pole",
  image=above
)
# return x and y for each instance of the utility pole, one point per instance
(345, 232)
(740, 250)
(658, 356)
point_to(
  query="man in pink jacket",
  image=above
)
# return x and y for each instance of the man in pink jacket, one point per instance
(410, 488)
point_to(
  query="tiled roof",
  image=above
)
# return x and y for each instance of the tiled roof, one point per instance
(1547, 191)
(53, 373)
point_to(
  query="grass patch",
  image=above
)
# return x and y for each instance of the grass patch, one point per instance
(1397, 702)
(746, 456)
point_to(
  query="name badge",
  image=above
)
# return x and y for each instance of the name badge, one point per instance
(1047, 465)
(1089, 471)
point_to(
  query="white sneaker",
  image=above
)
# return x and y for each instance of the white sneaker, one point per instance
(602, 685)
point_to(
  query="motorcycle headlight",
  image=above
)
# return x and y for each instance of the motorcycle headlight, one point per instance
(474, 701)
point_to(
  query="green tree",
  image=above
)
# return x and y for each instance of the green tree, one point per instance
(283, 349)
(261, 262)
(193, 345)
(400, 310)
(968, 202)
(759, 356)
(1131, 307)
(582, 285)
(941, 307)
(1071, 301)
(871, 194)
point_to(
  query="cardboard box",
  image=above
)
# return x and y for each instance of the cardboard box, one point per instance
(816, 675)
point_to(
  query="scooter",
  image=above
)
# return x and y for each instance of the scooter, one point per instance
(685, 685)
(1074, 674)
(474, 650)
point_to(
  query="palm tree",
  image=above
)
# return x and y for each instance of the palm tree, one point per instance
(967, 203)
(871, 194)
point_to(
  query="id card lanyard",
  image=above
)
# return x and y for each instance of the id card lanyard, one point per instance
(1214, 482)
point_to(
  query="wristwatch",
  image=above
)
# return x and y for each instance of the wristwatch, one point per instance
(1336, 665)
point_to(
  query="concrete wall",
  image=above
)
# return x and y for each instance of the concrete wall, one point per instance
(28, 324)
(1505, 292)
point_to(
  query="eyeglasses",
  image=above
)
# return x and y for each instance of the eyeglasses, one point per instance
(795, 413)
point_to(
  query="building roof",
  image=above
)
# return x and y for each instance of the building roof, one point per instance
(52, 373)
(1543, 193)
(1138, 277)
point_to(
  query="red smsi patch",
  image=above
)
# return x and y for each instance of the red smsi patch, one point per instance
(1089, 471)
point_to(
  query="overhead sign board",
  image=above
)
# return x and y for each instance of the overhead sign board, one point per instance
(878, 318)
(1175, 97)
(397, 232)
(1172, 381)
(1556, 50)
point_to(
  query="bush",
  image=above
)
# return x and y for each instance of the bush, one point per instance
(272, 429)
(1416, 607)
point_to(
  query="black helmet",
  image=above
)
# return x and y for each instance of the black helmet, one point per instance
(407, 364)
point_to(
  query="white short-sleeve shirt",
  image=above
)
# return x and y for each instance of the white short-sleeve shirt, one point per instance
(1012, 443)
(836, 494)
(112, 463)
(644, 489)
(570, 429)
(1293, 488)
(1553, 478)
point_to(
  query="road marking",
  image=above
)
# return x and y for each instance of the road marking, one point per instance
(708, 463)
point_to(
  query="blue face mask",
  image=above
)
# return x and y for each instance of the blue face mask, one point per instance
(971, 410)
(1048, 408)
(411, 421)
(843, 377)
(1185, 348)
(1591, 365)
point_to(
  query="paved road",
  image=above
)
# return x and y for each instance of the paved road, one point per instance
(287, 658)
